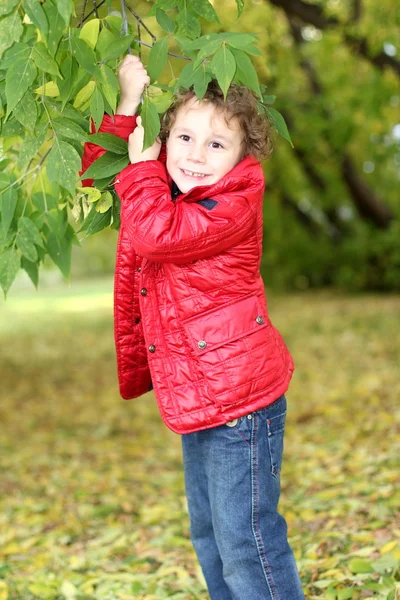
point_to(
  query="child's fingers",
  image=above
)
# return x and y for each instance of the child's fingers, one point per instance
(139, 122)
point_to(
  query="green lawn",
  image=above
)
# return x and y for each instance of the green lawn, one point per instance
(92, 503)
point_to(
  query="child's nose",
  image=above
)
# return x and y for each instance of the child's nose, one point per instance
(196, 154)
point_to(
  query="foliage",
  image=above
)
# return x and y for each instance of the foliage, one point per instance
(56, 74)
(92, 500)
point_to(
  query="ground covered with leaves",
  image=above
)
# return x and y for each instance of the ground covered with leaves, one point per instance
(92, 503)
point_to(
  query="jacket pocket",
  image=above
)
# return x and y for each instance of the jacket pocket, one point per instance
(210, 330)
(226, 340)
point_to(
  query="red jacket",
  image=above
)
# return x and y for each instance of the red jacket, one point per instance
(190, 312)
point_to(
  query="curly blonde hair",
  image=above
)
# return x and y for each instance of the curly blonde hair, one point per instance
(241, 104)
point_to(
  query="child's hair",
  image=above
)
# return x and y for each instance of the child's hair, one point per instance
(241, 103)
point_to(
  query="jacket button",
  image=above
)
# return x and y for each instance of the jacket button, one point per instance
(143, 291)
(202, 344)
(152, 349)
(139, 269)
(260, 320)
(137, 320)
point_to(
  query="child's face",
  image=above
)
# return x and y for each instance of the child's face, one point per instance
(201, 148)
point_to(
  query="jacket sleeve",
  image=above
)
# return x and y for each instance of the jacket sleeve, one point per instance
(119, 125)
(179, 232)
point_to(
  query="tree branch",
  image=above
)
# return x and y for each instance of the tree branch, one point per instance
(92, 11)
(83, 13)
(140, 22)
(125, 22)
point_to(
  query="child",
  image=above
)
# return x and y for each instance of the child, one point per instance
(191, 320)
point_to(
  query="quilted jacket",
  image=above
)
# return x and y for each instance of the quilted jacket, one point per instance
(190, 312)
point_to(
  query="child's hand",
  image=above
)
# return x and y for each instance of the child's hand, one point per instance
(135, 145)
(133, 79)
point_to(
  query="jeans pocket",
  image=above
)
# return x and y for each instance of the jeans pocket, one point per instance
(276, 431)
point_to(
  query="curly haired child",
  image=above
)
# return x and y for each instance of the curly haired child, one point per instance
(191, 321)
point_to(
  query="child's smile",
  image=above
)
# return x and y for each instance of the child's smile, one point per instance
(201, 147)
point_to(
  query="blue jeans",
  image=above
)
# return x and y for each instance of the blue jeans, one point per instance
(232, 486)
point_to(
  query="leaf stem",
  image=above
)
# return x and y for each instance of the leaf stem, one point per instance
(83, 13)
(94, 10)
(125, 22)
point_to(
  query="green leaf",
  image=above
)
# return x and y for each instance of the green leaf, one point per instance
(241, 41)
(69, 130)
(108, 164)
(90, 32)
(64, 7)
(43, 59)
(110, 142)
(11, 30)
(18, 52)
(105, 202)
(18, 78)
(150, 122)
(162, 102)
(4, 180)
(26, 246)
(63, 164)
(31, 145)
(157, 58)
(106, 38)
(8, 204)
(28, 229)
(7, 6)
(97, 107)
(69, 70)
(204, 9)
(56, 29)
(59, 249)
(163, 5)
(12, 128)
(109, 84)
(209, 48)
(85, 56)
(165, 21)
(26, 111)
(118, 47)
(35, 12)
(201, 79)
(187, 23)
(10, 262)
(345, 594)
(279, 123)
(269, 99)
(92, 194)
(359, 565)
(186, 77)
(95, 222)
(32, 269)
(224, 67)
(115, 24)
(240, 6)
(245, 71)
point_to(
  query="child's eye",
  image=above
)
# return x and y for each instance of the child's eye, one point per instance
(216, 145)
(185, 138)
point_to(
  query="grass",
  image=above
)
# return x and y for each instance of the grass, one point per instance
(92, 503)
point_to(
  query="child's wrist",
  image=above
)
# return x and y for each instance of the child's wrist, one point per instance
(127, 107)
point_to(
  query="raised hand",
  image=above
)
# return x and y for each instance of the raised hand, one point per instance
(133, 79)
